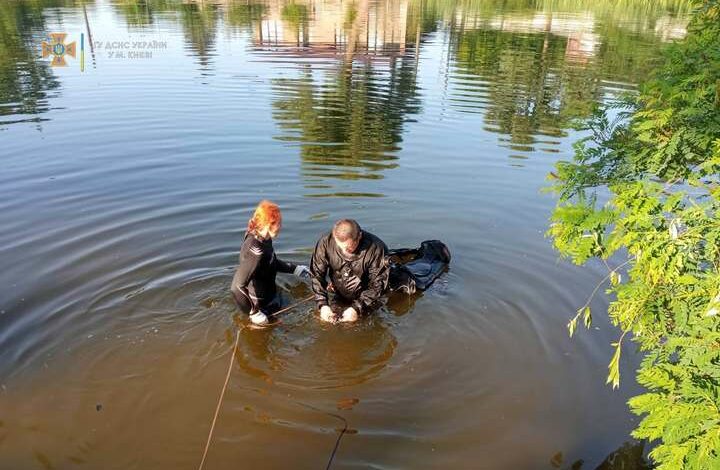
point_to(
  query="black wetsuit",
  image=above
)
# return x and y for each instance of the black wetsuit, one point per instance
(253, 285)
(360, 279)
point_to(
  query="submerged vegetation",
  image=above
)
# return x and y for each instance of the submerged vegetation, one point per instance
(643, 187)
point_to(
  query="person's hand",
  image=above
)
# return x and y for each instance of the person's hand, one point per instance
(349, 315)
(302, 271)
(327, 314)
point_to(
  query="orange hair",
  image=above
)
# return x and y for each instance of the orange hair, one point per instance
(266, 214)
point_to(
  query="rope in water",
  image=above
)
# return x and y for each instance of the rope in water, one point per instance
(227, 379)
(337, 442)
(306, 299)
(340, 436)
(336, 416)
(222, 394)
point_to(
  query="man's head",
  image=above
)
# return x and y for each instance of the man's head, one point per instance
(347, 234)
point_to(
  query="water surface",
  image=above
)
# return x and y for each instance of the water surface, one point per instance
(126, 186)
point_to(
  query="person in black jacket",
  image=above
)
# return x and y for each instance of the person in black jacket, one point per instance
(357, 265)
(253, 285)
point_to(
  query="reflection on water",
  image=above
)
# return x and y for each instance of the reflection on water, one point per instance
(530, 97)
(140, 14)
(26, 82)
(315, 28)
(346, 118)
(125, 189)
(531, 74)
(300, 356)
(348, 121)
(199, 23)
(629, 456)
(527, 67)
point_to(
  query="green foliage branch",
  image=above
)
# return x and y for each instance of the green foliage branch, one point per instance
(644, 187)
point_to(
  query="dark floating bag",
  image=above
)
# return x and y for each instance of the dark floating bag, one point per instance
(416, 269)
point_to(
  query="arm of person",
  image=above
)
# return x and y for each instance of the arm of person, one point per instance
(284, 266)
(318, 271)
(378, 274)
(249, 260)
(298, 270)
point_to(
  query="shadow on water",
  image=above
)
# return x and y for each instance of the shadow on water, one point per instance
(629, 456)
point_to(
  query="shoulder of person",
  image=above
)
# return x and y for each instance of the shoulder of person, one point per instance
(375, 241)
(324, 239)
(253, 246)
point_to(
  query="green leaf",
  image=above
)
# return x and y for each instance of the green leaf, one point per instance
(587, 317)
(571, 326)
(614, 368)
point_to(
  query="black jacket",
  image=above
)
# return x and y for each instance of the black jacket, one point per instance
(362, 279)
(255, 275)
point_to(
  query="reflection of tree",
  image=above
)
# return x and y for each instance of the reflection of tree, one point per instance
(349, 119)
(24, 79)
(629, 456)
(199, 20)
(534, 83)
(136, 13)
(525, 93)
(350, 124)
(627, 55)
(199, 24)
(244, 15)
(296, 16)
(142, 13)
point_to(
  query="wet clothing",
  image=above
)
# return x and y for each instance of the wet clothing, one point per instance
(425, 264)
(270, 308)
(253, 285)
(359, 279)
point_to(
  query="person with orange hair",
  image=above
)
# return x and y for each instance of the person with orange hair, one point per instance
(253, 284)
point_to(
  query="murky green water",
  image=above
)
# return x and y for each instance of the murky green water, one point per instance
(126, 185)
